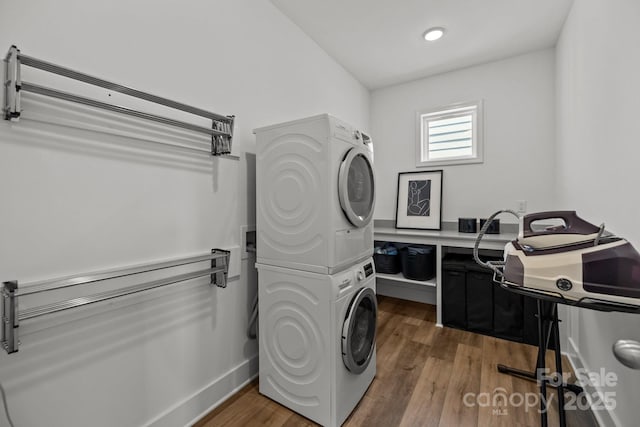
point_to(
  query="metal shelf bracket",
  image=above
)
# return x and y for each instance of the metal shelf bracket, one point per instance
(10, 316)
(220, 278)
(12, 84)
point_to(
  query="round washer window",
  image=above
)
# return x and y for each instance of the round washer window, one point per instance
(357, 188)
(359, 331)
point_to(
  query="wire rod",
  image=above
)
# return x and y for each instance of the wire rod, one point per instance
(104, 296)
(49, 285)
(53, 93)
(96, 81)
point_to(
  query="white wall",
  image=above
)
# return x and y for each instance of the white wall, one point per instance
(77, 200)
(598, 104)
(519, 123)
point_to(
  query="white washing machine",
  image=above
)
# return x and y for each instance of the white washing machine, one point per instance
(317, 339)
(315, 195)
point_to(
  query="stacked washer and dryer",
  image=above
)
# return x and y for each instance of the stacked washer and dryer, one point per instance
(315, 195)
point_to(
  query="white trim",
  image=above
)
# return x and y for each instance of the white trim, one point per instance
(478, 134)
(604, 418)
(191, 409)
(399, 277)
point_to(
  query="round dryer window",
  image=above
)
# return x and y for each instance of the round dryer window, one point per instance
(359, 331)
(356, 187)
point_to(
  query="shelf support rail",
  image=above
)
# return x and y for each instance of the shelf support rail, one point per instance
(11, 316)
(221, 130)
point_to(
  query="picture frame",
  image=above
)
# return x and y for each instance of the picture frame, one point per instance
(419, 200)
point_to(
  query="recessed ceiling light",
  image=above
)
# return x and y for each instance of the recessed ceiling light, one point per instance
(433, 34)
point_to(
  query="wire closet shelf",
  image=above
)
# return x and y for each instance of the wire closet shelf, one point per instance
(221, 130)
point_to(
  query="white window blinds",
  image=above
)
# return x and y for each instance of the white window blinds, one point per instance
(449, 135)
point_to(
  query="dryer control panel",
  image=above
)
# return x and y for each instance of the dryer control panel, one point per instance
(368, 269)
(345, 132)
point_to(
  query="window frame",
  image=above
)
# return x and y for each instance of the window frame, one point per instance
(447, 111)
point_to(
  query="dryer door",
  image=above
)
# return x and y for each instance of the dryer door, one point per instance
(356, 187)
(359, 331)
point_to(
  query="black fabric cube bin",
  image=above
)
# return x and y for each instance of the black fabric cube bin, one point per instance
(473, 302)
(479, 299)
(386, 263)
(454, 297)
(454, 292)
(418, 266)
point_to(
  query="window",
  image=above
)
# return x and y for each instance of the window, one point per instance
(449, 135)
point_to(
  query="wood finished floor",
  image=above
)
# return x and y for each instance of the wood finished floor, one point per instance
(423, 374)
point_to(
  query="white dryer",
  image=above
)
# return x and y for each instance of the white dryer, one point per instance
(317, 339)
(315, 195)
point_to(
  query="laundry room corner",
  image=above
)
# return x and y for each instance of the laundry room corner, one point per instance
(87, 192)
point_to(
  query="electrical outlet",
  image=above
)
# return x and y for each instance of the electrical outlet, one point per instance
(522, 206)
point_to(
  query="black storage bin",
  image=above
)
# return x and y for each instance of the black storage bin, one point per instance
(385, 263)
(454, 291)
(508, 318)
(418, 262)
(493, 228)
(472, 301)
(479, 299)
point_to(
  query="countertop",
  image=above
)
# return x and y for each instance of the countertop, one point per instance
(385, 230)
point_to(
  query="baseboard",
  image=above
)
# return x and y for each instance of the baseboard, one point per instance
(604, 417)
(200, 403)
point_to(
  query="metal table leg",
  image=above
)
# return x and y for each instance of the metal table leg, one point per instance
(548, 329)
(540, 366)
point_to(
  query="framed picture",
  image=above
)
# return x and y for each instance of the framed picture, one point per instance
(419, 203)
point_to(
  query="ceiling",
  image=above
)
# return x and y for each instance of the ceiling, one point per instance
(380, 41)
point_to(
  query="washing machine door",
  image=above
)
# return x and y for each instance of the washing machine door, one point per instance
(359, 331)
(356, 187)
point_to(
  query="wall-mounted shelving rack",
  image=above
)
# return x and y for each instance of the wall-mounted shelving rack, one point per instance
(221, 130)
(12, 316)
